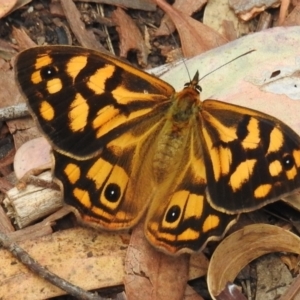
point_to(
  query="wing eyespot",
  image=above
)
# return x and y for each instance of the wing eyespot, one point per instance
(288, 161)
(173, 214)
(48, 72)
(112, 192)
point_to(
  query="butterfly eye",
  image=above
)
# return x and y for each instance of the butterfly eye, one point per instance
(112, 192)
(198, 88)
(48, 72)
(173, 214)
(288, 161)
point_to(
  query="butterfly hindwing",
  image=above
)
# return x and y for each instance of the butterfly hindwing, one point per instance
(179, 218)
(99, 189)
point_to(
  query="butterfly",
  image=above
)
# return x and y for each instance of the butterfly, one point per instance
(126, 145)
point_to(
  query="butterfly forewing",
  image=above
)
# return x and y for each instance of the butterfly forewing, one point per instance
(252, 159)
(81, 97)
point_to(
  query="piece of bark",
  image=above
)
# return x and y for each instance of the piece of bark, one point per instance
(32, 203)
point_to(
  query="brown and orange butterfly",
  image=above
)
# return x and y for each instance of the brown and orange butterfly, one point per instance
(127, 145)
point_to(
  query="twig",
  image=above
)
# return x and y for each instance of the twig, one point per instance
(14, 112)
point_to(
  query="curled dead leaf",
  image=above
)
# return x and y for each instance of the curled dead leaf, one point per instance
(243, 246)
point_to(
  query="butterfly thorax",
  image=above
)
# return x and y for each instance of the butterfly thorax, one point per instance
(174, 138)
(185, 105)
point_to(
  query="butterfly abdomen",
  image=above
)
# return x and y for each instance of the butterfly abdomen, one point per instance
(165, 160)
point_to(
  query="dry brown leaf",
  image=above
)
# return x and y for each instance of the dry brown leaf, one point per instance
(293, 293)
(130, 37)
(293, 18)
(195, 37)
(88, 258)
(4, 65)
(273, 277)
(293, 200)
(56, 9)
(7, 153)
(5, 186)
(83, 256)
(187, 7)
(151, 274)
(9, 94)
(284, 7)
(6, 6)
(292, 262)
(85, 37)
(7, 50)
(23, 130)
(243, 246)
(190, 294)
(22, 38)
(198, 265)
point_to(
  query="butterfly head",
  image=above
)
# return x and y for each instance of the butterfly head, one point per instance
(194, 84)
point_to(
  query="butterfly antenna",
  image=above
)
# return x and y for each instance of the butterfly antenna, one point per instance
(246, 53)
(175, 42)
